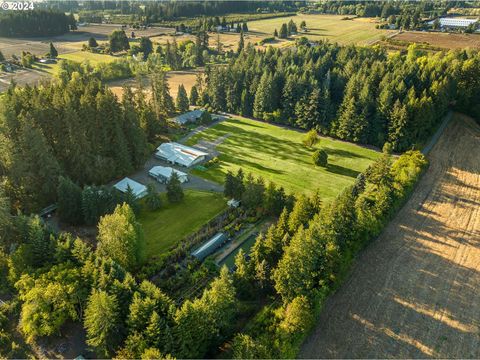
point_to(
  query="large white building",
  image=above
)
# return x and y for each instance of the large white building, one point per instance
(176, 153)
(138, 190)
(163, 174)
(454, 22)
(187, 117)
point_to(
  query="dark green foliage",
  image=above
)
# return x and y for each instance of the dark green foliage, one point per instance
(194, 96)
(182, 102)
(283, 33)
(79, 131)
(320, 158)
(153, 199)
(38, 22)
(92, 42)
(118, 41)
(69, 201)
(53, 53)
(146, 47)
(174, 189)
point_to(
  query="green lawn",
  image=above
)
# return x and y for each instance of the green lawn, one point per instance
(322, 27)
(173, 222)
(78, 56)
(277, 154)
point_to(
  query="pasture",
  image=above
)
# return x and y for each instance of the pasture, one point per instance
(324, 27)
(165, 227)
(278, 154)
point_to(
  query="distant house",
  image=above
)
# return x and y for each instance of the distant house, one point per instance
(210, 246)
(163, 174)
(187, 117)
(138, 190)
(176, 153)
(454, 22)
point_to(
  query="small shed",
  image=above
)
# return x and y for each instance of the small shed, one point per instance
(163, 174)
(210, 246)
(138, 190)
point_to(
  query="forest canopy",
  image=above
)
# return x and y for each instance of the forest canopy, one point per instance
(35, 23)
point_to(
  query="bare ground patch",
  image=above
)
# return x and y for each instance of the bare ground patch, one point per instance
(414, 292)
(441, 40)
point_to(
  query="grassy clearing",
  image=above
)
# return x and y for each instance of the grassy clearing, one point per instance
(170, 224)
(323, 27)
(77, 56)
(278, 155)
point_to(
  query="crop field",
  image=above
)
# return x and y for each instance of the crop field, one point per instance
(324, 27)
(165, 227)
(441, 40)
(277, 154)
(174, 78)
(414, 292)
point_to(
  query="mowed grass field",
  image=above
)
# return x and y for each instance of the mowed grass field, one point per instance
(77, 56)
(168, 225)
(278, 154)
(325, 27)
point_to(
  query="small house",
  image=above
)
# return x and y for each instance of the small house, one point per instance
(187, 117)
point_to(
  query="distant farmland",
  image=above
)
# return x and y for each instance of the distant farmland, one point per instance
(326, 27)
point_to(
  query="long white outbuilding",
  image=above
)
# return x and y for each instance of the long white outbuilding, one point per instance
(138, 190)
(163, 174)
(183, 155)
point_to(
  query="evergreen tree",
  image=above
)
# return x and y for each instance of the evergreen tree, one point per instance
(153, 199)
(241, 44)
(320, 158)
(101, 322)
(283, 34)
(69, 201)
(174, 189)
(118, 41)
(53, 53)
(194, 96)
(92, 43)
(146, 47)
(182, 99)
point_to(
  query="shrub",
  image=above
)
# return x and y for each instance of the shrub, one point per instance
(320, 158)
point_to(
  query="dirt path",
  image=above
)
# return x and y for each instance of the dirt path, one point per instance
(415, 292)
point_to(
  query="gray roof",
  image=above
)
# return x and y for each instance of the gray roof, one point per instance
(188, 116)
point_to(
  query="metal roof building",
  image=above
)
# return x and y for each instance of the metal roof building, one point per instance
(176, 153)
(163, 174)
(139, 190)
(210, 246)
(454, 22)
(190, 116)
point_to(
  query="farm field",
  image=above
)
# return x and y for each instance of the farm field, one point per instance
(413, 292)
(174, 78)
(325, 27)
(441, 40)
(170, 224)
(277, 154)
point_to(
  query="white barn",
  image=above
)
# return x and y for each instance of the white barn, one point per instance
(176, 153)
(454, 22)
(163, 174)
(139, 190)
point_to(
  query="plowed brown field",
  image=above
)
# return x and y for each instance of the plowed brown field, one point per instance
(415, 291)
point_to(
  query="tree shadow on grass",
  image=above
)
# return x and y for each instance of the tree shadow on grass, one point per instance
(340, 170)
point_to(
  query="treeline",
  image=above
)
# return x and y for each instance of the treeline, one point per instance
(77, 128)
(35, 23)
(353, 93)
(155, 12)
(306, 253)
